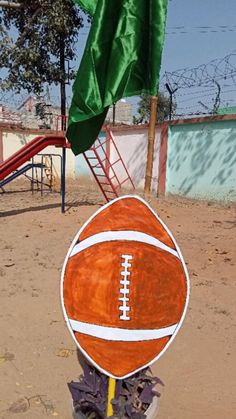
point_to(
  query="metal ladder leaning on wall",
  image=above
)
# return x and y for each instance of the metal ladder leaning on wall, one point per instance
(109, 179)
(48, 175)
(51, 173)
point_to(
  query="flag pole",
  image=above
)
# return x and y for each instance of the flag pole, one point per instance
(151, 142)
(111, 395)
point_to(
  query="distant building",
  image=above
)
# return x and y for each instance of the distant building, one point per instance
(123, 113)
(9, 117)
(37, 113)
(28, 104)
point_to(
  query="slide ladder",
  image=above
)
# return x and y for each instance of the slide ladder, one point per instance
(50, 178)
(110, 176)
(51, 173)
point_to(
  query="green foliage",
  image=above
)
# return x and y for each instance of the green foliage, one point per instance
(30, 42)
(144, 107)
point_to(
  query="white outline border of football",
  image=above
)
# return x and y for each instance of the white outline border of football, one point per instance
(62, 287)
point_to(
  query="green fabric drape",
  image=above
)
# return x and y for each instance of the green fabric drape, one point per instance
(88, 6)
(122, 58)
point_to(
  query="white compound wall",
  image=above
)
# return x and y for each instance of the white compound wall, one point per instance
(132, 145)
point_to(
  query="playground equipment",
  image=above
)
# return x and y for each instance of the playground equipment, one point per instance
(22, 171)
(110, 176)
(44, 174)
(30, 150)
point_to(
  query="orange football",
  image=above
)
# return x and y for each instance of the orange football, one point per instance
(124, 287)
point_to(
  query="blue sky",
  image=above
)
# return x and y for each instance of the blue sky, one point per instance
(197, 32)
(194, 48)
(210, 27)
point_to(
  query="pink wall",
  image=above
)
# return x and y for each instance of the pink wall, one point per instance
(132, 144)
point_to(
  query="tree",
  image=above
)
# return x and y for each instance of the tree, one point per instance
(163, 109)
(35, 41)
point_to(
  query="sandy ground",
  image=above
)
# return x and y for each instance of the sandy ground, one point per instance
(37, 354)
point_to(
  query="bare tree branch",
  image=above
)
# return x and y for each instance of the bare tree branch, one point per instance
(10, 4)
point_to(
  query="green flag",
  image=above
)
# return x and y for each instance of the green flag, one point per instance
(89, 6)
(122, 58)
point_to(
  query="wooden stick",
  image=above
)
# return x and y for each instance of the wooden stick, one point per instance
(111, 395)
(151, 142)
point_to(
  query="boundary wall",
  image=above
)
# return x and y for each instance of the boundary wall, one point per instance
(195, 158)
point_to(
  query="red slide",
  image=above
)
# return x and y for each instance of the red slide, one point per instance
(28, 151)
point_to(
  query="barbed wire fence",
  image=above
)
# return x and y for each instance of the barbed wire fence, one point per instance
(197, 91)
(202, 90)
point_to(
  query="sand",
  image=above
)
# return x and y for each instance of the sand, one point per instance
(37, 354)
